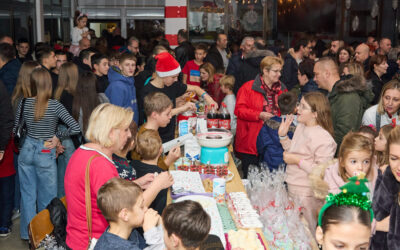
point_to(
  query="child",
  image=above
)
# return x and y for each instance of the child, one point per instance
(78, 32)
(368, 131)
(380, 147)
(122, 204)
(191, 71)
(149, 147)
(227, 82)
(344, 222)
(157, 108)
(168, 69)
(100, 67)
(268, 145)
(122, 91)
(386, 201)
(186, 225)
(311, 145)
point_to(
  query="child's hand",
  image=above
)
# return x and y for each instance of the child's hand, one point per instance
(151, 219)
(173, 155)
(145, 181)
(189, 106)
(285, 124)
(164, 179)
(265, 116)
(291, 158)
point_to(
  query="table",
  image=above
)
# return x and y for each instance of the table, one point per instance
(235, 185)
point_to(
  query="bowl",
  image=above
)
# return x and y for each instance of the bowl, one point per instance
(215, 138)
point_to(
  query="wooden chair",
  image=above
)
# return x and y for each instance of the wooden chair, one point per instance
(41, 225)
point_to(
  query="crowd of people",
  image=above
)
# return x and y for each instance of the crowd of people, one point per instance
(96, 116)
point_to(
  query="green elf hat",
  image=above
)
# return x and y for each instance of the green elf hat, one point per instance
(354, 193)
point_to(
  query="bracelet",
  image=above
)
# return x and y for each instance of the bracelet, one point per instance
(205, 93)
(282, 137)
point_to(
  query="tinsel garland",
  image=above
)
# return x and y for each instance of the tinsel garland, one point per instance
(350, 199)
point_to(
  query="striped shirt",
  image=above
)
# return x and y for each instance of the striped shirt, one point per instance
(45, 128)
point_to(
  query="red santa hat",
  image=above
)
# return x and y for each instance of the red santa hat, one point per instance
(167, 65)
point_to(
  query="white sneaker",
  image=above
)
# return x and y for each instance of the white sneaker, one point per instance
(16, 214)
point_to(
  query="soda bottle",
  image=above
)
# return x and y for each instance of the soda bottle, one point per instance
(212, 119)
(225, 118)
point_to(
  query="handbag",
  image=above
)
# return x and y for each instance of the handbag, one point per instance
(92, 241)
(21, 130)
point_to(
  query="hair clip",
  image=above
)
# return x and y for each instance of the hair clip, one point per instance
(372, 126)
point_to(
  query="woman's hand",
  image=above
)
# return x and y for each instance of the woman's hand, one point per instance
(173, 155)
(210, 101)
(151, 219)
(59, 149)
(52, 143)
(265, 116)
(285, 124)
(291, 158)
(145, 181)
(164, 179)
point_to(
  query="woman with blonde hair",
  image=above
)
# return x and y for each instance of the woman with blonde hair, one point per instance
(37, 159)
(108, 131)
(311, 145)
(387, 109)
(67, 80)
(257, 102)
(23, 87)
(209, 81)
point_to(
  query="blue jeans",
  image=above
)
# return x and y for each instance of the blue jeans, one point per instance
(6, 200)
(38, 180)
(62, 161)
(17, 195)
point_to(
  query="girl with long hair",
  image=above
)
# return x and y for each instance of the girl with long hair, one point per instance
(209, 81)
(23, 87)
(37, 159)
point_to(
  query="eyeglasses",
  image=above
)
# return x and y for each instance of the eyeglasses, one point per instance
(276, 70)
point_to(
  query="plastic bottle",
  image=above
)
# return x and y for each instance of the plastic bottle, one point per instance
(212, 118)
(225, 118)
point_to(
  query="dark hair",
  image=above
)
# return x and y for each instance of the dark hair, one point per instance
(201, 46)
(22, 40)
(127, 56)
(300, 43)
(85, 54)
(183, 33)
(7, 52)
(96, 59)
(368, 130)
(188, 221)
(85, 98)
(375, 60)
(60, 53)
(133, 127)
(348, 49)
(306, 67)
(287, 102)
(345, 214)
(43, 52)
(78, 16)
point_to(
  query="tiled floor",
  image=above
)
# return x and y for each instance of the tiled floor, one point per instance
(13, 241)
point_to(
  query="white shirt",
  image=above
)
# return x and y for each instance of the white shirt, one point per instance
(369, 117)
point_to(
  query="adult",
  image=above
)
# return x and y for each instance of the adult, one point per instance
(257, 101)
(133, 45)
(84, 43)
(108, 131)
(385, 44)
(210, 82)
(334, 49)
(185, 51)
(37, 159)
(61, 58)
(22, 50)
(344, 55)
(306, 78)
(236, 61)
(387, 109)
(47, 59)
(250, 67)
(377, 68)
(300, 51)
(218, 54)
(9, 66)
(6, 39)
(348, 98)
(84, 60)
(362, 55)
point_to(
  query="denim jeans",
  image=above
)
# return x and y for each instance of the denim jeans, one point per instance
(6, 200)
(38, 180)
(62, 162)
(17, 194)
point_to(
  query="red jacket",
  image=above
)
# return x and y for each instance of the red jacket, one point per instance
(249, 105)
(7, 164)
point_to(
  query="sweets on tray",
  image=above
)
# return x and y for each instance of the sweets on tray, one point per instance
(226, 217)
(187, 182)
(244, 239)
(185, 165)
(244, 214)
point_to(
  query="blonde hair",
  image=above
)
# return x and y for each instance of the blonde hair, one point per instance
(393, 84)
(115, 195)
(103, 119)
(41, 85)
(67, 79)
(209, 68)
(268, 61)
(320, 104)
(149, 144)
(23, 85)
(227, 81)
(156, 102)
(394, 138)
(353, 142)
(355, 69)
(383, 157)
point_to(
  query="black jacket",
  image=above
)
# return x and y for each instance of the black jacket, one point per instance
(289, 72)
(215, 58)
(250, 68)
(82, 67)
(235, 63)
(6, 117)
(377, 85)
(184, 53)
(9, 74)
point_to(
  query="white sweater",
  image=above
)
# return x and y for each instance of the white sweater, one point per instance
(76, 34)
(369, 117)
